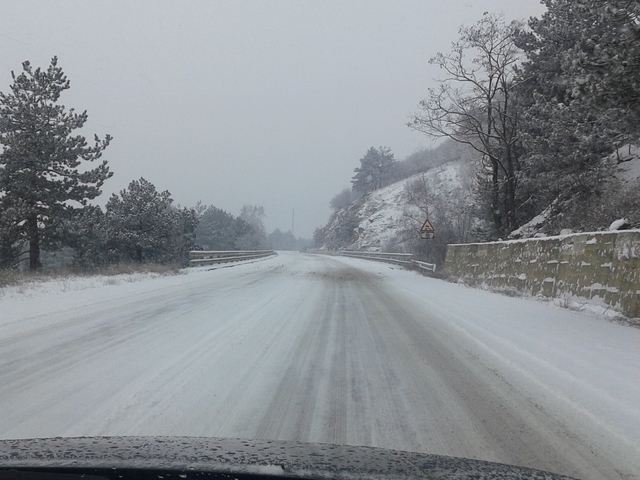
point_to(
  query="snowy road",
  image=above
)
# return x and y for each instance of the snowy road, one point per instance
(324, 349)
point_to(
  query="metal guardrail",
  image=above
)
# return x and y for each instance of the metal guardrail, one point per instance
(397, 258)
(430, 267)
(202, 257)
(405, 259)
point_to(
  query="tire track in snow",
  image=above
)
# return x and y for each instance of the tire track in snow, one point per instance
(304, 348)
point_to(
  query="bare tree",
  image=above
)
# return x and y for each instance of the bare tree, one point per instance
(473, 105)
(450, 212)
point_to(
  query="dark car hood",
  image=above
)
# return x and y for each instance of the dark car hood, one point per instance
(254, 457)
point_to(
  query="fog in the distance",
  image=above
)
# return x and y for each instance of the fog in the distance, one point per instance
(265, 103)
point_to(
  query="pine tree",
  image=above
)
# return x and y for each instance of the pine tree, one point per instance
(318, 237)
(606, 64)
(40, 180)
(142, 226)
(580, 97)
(217, 229)
(279, 240)
(9, 238)
(376, 170)
(88, 234)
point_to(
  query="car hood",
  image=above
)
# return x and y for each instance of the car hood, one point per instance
(283, 459)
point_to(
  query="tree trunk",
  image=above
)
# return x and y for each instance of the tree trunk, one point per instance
(34, 243)
(495, 197)
(511, 193)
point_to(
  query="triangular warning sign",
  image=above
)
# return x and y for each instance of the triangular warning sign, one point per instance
(427, 227)
(427, 231)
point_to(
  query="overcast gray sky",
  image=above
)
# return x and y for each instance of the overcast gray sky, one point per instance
(268, 103)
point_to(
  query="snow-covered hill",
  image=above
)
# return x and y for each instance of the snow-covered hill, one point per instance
(379, 220)
(387, 219)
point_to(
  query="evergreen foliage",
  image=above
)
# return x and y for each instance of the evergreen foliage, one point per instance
(41, 184)
(10, 244)
(279, 240)
(88, 235)
(342, 235)
(580, 100)
(376, 170)
(143, 226)
(318, 237)
(219, 230)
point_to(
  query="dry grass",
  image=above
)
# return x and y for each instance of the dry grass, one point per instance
(10, 277)
(14, 277)
(129, 268)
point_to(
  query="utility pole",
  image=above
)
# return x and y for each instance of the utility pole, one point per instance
(293, 218)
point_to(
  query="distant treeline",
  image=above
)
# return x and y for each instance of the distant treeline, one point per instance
(46, 184)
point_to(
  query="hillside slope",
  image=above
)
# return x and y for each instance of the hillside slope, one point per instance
(388, 218)
(618, 203)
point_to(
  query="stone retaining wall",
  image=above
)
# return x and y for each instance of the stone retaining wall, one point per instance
(601, 265)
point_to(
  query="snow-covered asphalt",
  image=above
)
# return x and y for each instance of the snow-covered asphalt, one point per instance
(324, 349)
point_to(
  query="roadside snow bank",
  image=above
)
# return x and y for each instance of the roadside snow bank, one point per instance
(28, 302)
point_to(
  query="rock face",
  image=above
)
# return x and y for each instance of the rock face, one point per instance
(381, 218)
